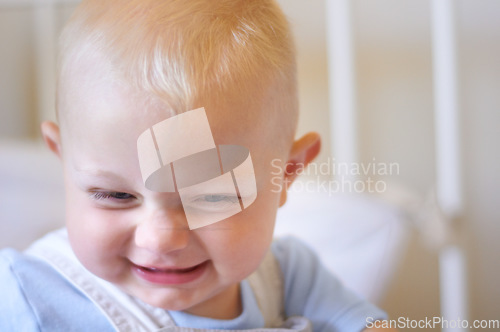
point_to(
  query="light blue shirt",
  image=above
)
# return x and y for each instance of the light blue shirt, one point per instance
(35, 297)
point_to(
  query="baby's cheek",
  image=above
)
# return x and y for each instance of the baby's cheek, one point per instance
(97, 240)
(238, 255)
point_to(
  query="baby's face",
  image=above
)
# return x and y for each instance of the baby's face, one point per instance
(139, 239)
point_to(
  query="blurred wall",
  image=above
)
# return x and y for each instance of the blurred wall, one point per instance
(394, 77)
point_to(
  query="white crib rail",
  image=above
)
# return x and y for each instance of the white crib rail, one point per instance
(45, 36)
(45, 32)
(449, 191)
(343, 129)
(453, 280)
(33, 3)
(342, 87)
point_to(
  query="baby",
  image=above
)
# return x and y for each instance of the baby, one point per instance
(143, 86)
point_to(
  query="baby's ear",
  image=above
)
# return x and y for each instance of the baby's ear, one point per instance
(51, 136)
(303, 151)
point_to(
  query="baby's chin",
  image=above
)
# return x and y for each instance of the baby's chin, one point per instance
(190, 300)
(170, 303)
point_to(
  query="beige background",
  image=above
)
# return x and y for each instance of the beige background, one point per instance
(394, 75)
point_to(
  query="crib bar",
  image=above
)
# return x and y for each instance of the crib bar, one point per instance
(45, 36)
(44, 21)
(452, 263)
(31, 3)
(449, 191)
(343, 128)
(453, 286)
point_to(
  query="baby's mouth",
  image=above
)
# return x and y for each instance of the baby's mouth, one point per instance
(170, 275)
(168, 270)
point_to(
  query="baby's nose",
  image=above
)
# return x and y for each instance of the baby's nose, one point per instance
(163, 232)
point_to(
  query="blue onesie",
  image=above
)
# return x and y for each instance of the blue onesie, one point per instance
(36, 297)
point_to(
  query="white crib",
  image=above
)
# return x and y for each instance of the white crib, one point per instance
(448, 203)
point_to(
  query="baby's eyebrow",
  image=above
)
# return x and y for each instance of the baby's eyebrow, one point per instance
(100, 173)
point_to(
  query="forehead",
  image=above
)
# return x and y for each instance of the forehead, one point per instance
(103, 120)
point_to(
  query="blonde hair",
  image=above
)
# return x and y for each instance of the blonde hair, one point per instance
(182, 50)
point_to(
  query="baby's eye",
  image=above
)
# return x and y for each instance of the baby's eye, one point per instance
(213, 202)
(113, 195)
(214, 198)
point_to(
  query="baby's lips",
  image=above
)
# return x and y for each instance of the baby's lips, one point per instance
(168, 269)
(172, 275)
